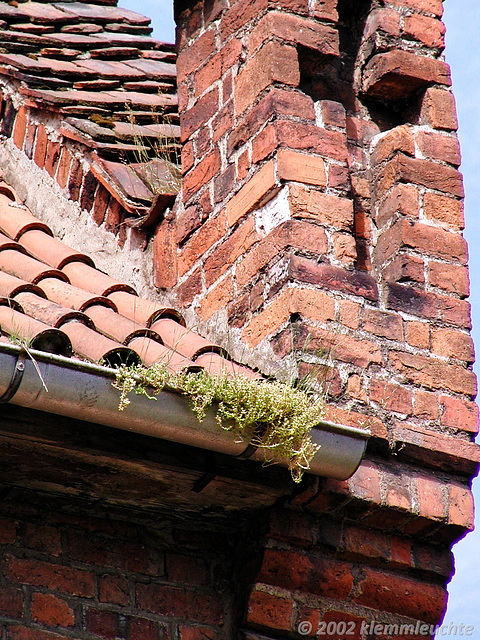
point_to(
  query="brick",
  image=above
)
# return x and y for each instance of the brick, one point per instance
(186, 569)
(380, 323)
(52, 157)
(142, 628)
(20, 127)
(217, 66)
(272, 63)
(201, 174)
(264, 144)
(218, 298)
(290, 526)
(224, 183)
(361, 131)
(222, 122)
(451, 343)
(400, 551)
(444, 210)
(333, 113)
(427, 6)
(75, 179)
(460, 506)
(345, 248)
(400, 594)
(208, 234)
(41, 142)
(187, 156)
(197, 633)
(359, 543)
(114, 215)
(431, 498)
(177, 601)
(308, 137)
(47, 609)
(321, 207)
(438, 109)
(417, 334)
(165, 253)
(100, 204)
(385, 20)
(459, 413)
(391, 397)
(403, 200)
(301, 168)
(103, 623)
(236, 245)
(43, 538)
(11, 602)
(365, 482)
(428, 31)
(435, 560)
(349, 313)
(191, 287)
(276, 102)
(29, 141)
(438, 146)
(422, 237)
(64, 167)
(114, 589)
(272, 612)
(8, 531)
(397, 74)
(199, 114)
(429, 305)
(356, 388)
(404, 268)
(433, 374)
(295, 30)
(325, 10)
(22, 633)
(427, 173)
(360, 352)
(87, 195)
(398, 139)
(193, 56)
(311, 572)
(240, 14)
(255, 192)
(426, 405)
(188, 221)
(449, 277)
(53, 576)
(334, 278)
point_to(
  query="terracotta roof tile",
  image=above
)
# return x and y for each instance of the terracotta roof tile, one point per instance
(83, 59)
(78, 307)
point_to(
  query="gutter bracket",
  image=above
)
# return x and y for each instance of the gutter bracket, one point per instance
(16, 380)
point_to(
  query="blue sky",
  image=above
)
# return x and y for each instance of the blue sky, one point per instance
(462, 18)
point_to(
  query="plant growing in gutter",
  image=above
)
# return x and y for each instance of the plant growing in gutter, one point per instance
(269, 415)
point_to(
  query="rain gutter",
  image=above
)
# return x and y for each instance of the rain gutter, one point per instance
(84, 391)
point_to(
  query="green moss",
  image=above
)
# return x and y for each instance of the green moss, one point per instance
(270, 415)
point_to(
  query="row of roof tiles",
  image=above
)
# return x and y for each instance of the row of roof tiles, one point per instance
(54, 298)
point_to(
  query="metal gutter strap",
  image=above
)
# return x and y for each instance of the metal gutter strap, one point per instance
(84, 391)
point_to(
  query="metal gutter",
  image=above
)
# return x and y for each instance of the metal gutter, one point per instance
(84, 391)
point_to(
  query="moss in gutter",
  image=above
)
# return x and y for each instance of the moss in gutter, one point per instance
(270, 415)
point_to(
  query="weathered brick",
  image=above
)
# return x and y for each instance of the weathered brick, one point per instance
(334, 278)
(103, 623)
(43, 538)
(433, 374)
(165, 253)
(428, 6)
(218, 298)
(459, 413)
(417, 334)
(404, 268)
(444, 210)
(240, 14)
(272, 612)
(20, 127)
(391, 397)
(186, 569)
(428, 31)
(384, 20)
(89, 187)
(11, 602)
(439, 146)
(301, 167)
(52, 156)
(191, 287)
(451, 343)
(114, 589)
(380, 323)
(397, 74)
(403, 200)
(310, 572)
(199, 114)
(143, 628)
(426, 405)
(255, 192)
(179, 601)
(406, 596)
(308, 137)
(195, 247)
(326, 10)
(296, 30)
(272, 63)
(195, 55)
(449, 277)
(201, 174)
(53, 576)
(52, 611)
(237, 244)
(460, 505)
(438, 109)
(398, 139)
(41, 142)
(322, 207)
(332, 113)
(217, 66)
(349, 313)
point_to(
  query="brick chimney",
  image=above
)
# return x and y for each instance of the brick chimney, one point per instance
(321, 212)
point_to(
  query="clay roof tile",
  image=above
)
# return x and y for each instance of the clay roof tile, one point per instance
(69, 296)
(86, 277)
(15, 218)
(16, 263)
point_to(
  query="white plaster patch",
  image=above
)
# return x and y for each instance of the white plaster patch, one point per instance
(273, 213)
